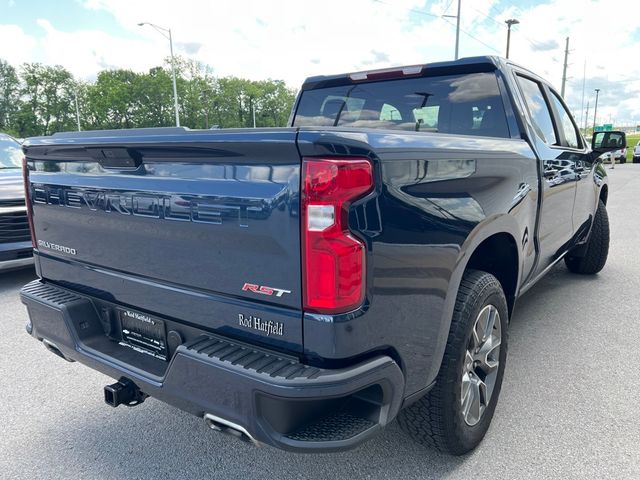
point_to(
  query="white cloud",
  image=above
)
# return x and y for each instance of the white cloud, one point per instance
(597, 33)
(16, 45)
(292, 40)
(86, 52)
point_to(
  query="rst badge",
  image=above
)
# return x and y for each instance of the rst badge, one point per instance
(264, 290)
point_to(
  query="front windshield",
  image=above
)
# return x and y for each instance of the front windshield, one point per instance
(10, 153)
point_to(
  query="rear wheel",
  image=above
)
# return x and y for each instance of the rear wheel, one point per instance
(455, 415)
(597, 249)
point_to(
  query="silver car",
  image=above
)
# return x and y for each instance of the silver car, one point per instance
(16, 249)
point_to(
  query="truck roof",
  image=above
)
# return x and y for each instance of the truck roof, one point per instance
(462, 65)
(451, 67)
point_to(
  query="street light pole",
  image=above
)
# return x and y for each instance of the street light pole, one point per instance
(77, 108)
(457, 17)
(584, 77)
(564, 69)
(173, 75)
(166, 32)
(595, 112)
(511, 21)
(458, 30)
(586, 118)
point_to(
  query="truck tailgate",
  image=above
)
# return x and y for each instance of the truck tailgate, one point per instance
(199, 226)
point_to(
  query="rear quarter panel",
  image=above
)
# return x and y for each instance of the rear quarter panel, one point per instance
(437, 198)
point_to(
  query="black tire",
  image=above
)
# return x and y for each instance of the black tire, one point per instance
(436, 420)
(597, 250)
(623, 160)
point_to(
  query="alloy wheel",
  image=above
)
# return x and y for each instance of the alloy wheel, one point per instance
(480, 368)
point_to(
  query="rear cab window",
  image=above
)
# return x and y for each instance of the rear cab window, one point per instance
(468, 104)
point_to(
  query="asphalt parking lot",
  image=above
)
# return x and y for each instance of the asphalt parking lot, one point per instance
(568, 407)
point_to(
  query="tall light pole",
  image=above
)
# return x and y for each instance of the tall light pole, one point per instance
(584, 77)
(457, 17)
(511, 21)
(458, 30)
(586, 118)
(564, 69)
(77, 107)
(166, 33)
(595, 112)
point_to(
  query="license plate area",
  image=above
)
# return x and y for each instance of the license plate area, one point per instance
(143, 333)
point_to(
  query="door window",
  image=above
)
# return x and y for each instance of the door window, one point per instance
(538, 110)
(569, 129)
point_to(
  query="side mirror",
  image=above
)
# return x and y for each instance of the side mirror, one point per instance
(603, 142)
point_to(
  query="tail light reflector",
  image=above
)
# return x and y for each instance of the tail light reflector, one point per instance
(333, 259)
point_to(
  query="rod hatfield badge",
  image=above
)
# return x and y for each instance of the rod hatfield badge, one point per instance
(265, 326)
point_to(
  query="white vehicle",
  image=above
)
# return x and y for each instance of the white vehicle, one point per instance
(636, 153)
(620, 155)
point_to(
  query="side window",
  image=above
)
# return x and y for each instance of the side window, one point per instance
(540, 115)
(389, 112)
(570, 131)
(427, 117)
(338, 106)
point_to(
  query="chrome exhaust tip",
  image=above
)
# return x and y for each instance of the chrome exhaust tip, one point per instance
(225, 426)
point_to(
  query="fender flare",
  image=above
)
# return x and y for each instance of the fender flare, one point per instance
(497, 224)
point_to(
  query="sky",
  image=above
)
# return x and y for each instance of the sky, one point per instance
(291, 40)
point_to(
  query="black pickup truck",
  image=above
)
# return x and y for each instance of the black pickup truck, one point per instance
(302, 287)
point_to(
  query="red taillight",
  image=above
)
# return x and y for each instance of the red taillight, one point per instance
(333, 259)
(27, 199)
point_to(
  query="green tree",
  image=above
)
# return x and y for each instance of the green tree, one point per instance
(229, 108)
(48, 100)
(155, 97)
(113, 100)
(9, 96)
(196, 90)
(274, 103)
(40, 99)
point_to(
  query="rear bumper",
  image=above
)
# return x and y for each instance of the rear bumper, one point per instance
(274, 398)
